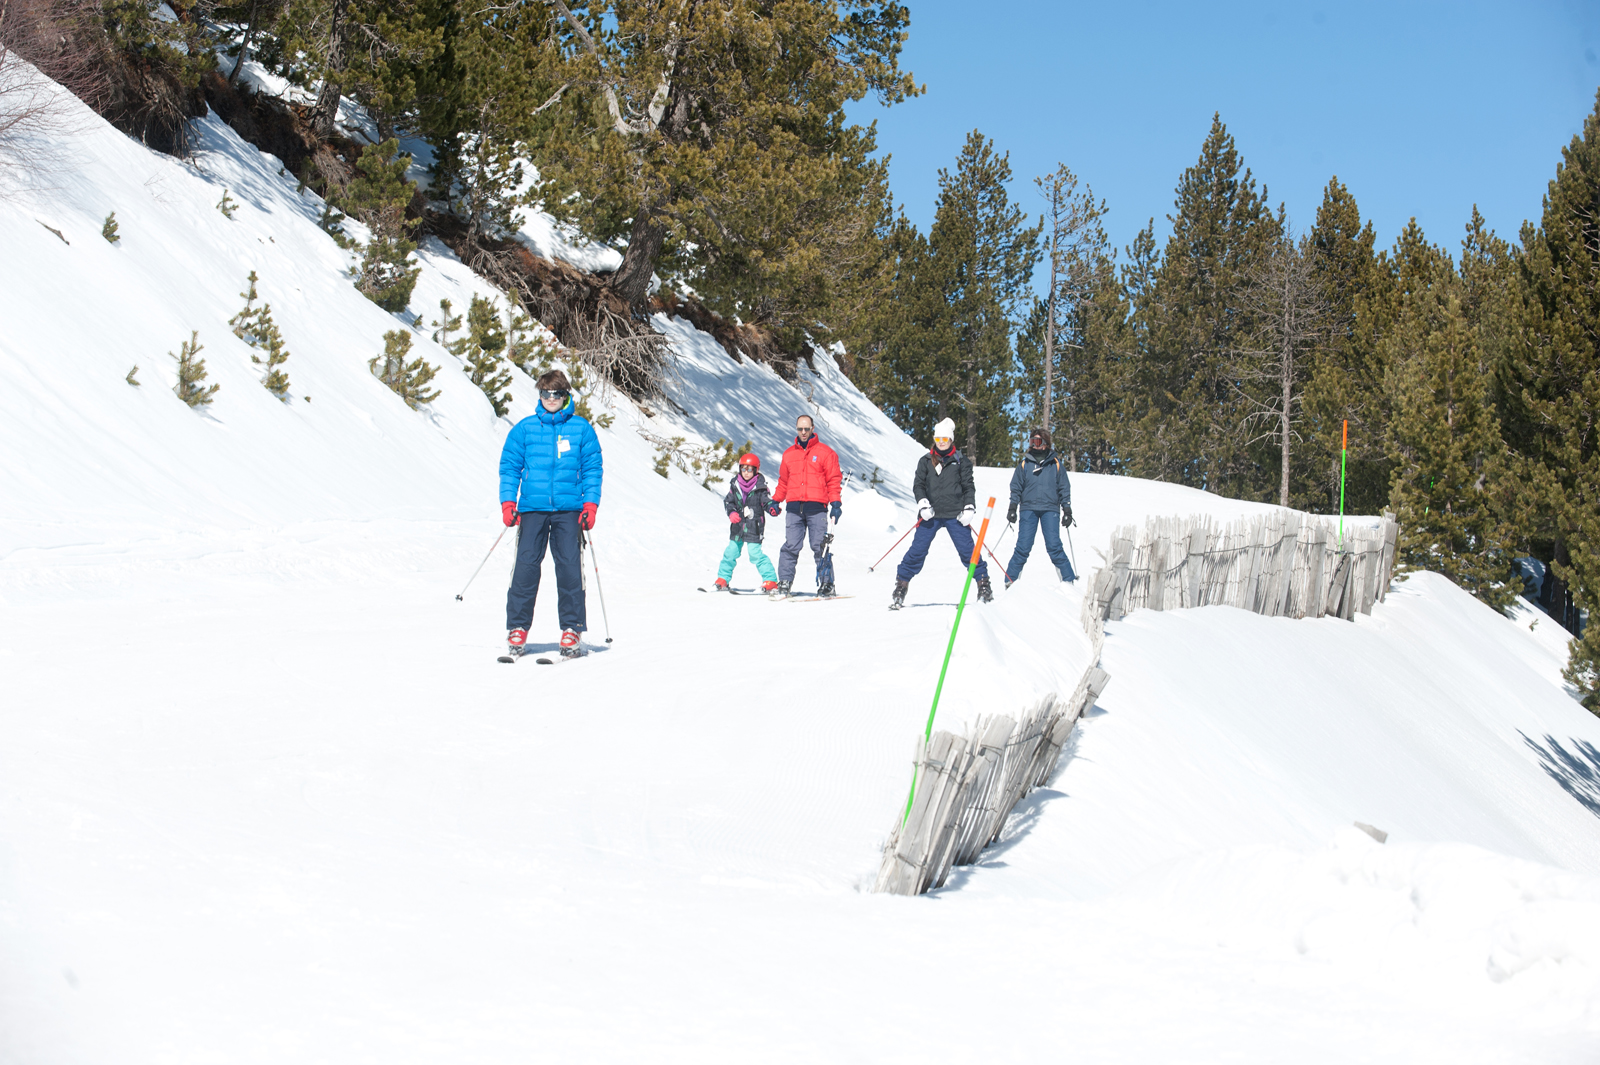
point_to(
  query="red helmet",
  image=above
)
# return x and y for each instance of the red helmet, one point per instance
(750, 459)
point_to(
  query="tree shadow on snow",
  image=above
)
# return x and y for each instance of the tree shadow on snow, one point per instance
(1577, 770)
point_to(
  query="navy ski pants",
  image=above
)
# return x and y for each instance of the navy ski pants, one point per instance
(960, 535)
(559, 529)
(1048, 522)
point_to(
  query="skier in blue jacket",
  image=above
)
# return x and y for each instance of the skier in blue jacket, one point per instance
(1040, 492)
(550, 472)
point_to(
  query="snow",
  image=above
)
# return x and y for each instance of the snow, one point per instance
(266, 796)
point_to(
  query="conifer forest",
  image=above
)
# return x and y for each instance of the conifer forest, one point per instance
(709, 144)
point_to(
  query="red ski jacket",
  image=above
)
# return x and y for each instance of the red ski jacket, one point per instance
(809, 473)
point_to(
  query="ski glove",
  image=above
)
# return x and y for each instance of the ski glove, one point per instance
(773, 510)
(834, 510)
(586, 519)
(1011, 515)
(733, 517)
(968, 516)
(508, 512)
(924, 510)
(1066, 516)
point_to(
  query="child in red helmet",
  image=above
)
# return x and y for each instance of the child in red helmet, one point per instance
(748, 503)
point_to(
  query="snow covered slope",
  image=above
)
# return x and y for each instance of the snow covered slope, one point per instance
(266, 796)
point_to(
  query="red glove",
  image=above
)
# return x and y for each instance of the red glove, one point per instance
(586, 519)
(508, 512)
(733, 518)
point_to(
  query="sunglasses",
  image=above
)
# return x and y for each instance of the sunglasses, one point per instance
(557, 393)
(802, 429)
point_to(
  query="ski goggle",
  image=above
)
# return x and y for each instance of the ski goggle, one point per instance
(553, 393)
(943, 440)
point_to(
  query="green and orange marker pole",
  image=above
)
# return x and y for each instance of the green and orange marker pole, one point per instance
(1344, 454)
(972, 568)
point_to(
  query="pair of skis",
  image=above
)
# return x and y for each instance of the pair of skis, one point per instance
(514, 655)
(792, 597)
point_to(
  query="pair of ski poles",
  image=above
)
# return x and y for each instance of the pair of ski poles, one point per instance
(913, 529)
(594, 558)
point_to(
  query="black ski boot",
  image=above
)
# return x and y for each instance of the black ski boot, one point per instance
(985, 593)
(899, 599)
(825, 591)
(780, 592)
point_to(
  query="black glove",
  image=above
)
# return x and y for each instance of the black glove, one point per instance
(835, 509)
(1066, 516)
(1011, 515)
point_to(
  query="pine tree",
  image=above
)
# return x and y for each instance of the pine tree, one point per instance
(715, 139)
(1191, 412)
(369, 49)
(481, 349)
(1551, 387)
(1445, 441)
(255, 327)
(408, 380)
(109, 230)
(378, 196)
(1347, 372)
(227, 205)
(448, 323)
(192, 371)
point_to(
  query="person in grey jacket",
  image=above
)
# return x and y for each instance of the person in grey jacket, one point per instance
(1040, 492)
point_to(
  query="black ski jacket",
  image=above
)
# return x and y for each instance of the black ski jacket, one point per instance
(1040, 483)
(946, 483)
(749, 529)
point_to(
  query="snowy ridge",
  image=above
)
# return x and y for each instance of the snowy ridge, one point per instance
(265, 795)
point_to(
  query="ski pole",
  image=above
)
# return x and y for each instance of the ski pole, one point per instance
(896, 544)
(479, 570)
(927, 733)
(1073, 550)
(594, 558)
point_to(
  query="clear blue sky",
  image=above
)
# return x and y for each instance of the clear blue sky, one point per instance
(1420, 108)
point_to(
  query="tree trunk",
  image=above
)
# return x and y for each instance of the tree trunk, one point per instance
(1050, 329)
(244, 45)
(1283, 426)
(632, 279)
(326, 109)
(972, 420)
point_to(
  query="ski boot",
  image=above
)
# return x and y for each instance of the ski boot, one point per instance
(899, 599)
(720, 586)
(569, 645)
(516, 642)
(769, 586)
(780, 592)
(985, 593)
(825, 591)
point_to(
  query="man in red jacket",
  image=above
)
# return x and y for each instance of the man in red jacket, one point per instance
(808, 480)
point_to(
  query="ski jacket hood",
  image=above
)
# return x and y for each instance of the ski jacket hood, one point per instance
(946, 482)
(756, 497)
(1040, 483)
(809, 473)
(551, 462)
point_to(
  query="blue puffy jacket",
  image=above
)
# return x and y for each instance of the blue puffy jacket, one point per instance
(551, 462)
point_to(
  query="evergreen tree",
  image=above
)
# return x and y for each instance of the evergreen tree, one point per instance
(378, 196)
(109, 229)
(408, 380)
(369, 49)
(481, 349)
(714, 137)
(448, 323)
(192, 371)
(1347, 372)
(254, 325)
(1189, 411)
(1551, 386)
(1445, 439)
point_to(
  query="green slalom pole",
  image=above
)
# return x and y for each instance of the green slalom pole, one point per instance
(927, 732)
(1344, 453)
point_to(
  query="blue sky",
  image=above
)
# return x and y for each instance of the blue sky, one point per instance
(1420, 108)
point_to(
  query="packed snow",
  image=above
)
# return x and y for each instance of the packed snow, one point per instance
(266, 795)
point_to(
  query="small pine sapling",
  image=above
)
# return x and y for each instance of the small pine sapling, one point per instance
(332, 223)
(661, 464)
(109, 230)
(379, 196)
(131, 379)
(481, 349)
(448, 323)
(227, 205)
(256, 328)
(191, 371)
(407, 380)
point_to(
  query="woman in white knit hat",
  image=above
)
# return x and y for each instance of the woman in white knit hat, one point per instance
(946, 499)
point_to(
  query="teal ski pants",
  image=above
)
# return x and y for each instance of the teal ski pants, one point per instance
(758, 556)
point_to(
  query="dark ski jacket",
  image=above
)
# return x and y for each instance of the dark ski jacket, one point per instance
(750, 529)
(1040, 483)
(945, 482)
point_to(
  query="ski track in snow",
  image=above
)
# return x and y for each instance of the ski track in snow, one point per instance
(265, 794)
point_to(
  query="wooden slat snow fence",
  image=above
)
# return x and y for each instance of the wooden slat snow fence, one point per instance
(1283, 564)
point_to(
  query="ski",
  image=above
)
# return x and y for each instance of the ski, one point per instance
(817, 598)
(732, 591)
(511, 656)
(561, 658)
